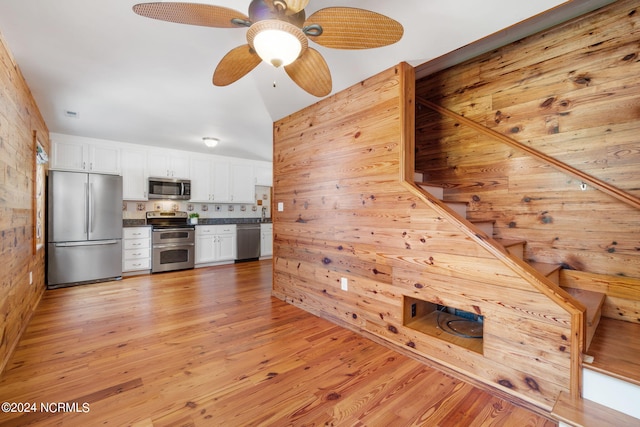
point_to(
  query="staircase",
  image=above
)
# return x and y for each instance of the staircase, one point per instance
(611, 389)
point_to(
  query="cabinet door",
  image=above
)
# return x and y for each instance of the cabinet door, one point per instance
(201, 180)
(158, 164)
(68, 156)
(226, 245)
(167, 163)
(221, 186)
(179, 166)
(134, 175)
(242, 184)
(205, 248)
(266, 243)
(104, 159)
(264, 176)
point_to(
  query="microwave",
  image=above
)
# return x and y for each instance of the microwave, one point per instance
(169, 188)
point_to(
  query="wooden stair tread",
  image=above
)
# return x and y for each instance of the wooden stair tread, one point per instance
(616, 350)
(591, 300)
(585, 413)
(510, 242)
(544, 268)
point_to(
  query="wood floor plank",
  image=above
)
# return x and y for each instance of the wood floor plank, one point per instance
(211, 347)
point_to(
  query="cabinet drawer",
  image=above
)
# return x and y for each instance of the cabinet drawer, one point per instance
(225, 229)
(136, 253)
(205, 229)
(215, 229)
(136, 264)
(136, 232)
(136, 244)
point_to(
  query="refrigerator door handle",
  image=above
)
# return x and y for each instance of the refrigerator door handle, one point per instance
(90, 243)
(91, 208)
(86, 208)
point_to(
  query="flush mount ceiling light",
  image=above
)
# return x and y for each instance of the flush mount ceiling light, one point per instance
(210, 141)
(278, 33)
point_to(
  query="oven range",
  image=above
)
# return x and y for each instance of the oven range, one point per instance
(173, 241)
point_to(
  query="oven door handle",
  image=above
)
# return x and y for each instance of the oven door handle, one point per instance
(172, 245)
(164, 230)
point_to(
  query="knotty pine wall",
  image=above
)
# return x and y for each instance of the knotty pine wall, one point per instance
(573, 93)
(19, 118)
(338, 171)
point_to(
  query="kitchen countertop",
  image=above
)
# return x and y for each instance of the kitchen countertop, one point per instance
(202, 221)
(134, 223)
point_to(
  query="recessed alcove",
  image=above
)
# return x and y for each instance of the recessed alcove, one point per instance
(450, 324)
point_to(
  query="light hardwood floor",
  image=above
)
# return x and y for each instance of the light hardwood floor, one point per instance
(211, 347)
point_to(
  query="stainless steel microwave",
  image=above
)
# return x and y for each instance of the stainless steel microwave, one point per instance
(169, 188)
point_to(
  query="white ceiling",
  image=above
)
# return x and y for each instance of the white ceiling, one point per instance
(138, 80)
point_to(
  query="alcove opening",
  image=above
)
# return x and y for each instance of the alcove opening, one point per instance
(450, 324)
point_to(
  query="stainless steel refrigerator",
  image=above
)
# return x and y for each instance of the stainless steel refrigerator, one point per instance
(84, 228)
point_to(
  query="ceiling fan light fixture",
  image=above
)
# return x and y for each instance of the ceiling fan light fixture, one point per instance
(278, 43)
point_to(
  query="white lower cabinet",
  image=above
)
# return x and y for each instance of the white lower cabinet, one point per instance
(136, 249)
(215, 243)
(266, 240)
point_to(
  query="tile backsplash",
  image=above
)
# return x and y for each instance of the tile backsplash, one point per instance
(137, 210)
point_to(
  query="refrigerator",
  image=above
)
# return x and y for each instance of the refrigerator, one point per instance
(84, 222)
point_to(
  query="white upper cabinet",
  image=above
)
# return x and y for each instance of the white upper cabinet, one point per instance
(221, 190)
(134, 174)
(243, 187)
(210, 180)
(264, 174)
(104, 159)
(220, 180)
(85, 155)
(68, 155)
(214, 179)
(168, 163)
(201, 179)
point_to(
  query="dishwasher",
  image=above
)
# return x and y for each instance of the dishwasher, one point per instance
(248, 241)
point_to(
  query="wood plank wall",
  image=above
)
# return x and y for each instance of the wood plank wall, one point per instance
(338, 168)
(19, 118)
(573, 93)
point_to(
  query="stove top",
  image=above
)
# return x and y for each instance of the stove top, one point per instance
(168, 219)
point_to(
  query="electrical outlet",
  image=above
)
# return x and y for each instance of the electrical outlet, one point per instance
(344, 283)
(280, 206)
(413, 310)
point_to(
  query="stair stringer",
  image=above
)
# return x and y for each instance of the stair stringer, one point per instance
(543, 285)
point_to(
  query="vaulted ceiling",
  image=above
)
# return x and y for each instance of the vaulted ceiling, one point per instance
(134, 79)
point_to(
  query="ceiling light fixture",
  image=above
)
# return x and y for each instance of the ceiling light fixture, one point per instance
(210, 141)
(278, 43)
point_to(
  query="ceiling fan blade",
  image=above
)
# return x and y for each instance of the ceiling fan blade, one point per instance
(352, 28)
(235, 65)
(311, 73)
(192, 13)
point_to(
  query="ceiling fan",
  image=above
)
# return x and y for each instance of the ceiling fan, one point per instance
(278, 33)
